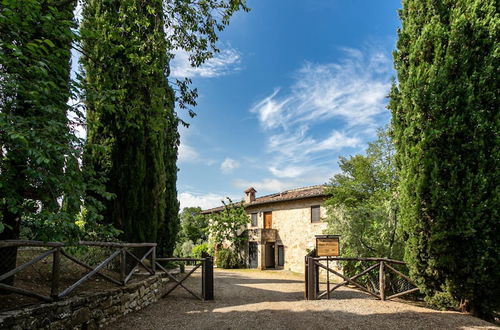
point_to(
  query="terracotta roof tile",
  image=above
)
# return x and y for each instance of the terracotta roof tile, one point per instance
(287, 195)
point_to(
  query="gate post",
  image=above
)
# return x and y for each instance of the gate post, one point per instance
(306, 272)
(311, 279)
(153, 260)
(56, 273)
(381, 281)
(207, 279)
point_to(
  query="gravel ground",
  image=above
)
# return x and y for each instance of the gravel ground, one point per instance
(249, 299)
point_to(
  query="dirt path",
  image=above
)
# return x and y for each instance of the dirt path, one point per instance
(248, 299)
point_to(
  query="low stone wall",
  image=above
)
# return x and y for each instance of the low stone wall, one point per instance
(87, 311)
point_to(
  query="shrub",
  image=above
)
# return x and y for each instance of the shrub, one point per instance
(199, 250)
(227, 258)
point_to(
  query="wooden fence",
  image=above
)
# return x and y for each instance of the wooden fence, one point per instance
(207, 276)
(129, 261)
(380, 265)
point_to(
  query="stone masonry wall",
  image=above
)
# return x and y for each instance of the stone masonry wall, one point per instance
(88, 311)
(296, 233)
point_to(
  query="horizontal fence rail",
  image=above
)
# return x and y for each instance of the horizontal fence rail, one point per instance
(126, 258)
(375, 265)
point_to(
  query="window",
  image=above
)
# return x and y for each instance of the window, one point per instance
(254, 219)
(268, 220)
(315, 216)
(281, 255)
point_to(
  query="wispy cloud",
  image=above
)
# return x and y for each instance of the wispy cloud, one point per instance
(228, 60)
(229, 165)
(273, 185)
(349, 96)
(187, 154)
(205, 201)
(352, 90)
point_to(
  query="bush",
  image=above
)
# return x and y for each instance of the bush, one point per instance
(442, 301)
(199, 250)
(227, 258)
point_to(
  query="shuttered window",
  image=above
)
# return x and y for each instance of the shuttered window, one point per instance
(281, 255)
(315, 215)
(254, 219)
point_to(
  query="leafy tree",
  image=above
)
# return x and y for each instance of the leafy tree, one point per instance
(200, 250)
(227, 228)
(36, 141)
(193, 229)
(132, 125)
(362, 204)
(194, 224)
(446, 123)
(184, 249)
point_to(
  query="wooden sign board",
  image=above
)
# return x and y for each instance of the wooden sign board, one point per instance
(327, 246)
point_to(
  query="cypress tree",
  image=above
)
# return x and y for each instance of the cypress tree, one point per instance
(132, 138)
(36, 143)
(170, 226)
(446, 123)
(127, 100)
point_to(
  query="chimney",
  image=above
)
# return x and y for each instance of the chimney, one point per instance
(250, 195)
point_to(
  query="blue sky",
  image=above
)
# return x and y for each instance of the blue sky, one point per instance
(296, 85)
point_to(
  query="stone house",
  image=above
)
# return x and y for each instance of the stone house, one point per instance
(282, 227)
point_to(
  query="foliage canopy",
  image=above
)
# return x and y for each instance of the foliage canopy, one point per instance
(446, 123)
(362, 205)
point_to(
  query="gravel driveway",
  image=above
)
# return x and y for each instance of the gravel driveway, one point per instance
(250, 299)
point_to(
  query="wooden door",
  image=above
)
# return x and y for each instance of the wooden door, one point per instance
(268, 220)
(269, 253)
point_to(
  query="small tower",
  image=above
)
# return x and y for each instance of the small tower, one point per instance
(250, 195)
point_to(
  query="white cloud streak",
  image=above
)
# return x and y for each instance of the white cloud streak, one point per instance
(229, 165)
(348, 95)
(270, 185)
(205, 201)
(187, 154)
(225, 62)
(353, 90)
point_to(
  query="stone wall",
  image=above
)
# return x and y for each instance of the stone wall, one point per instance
(295, 232)
(87, 311)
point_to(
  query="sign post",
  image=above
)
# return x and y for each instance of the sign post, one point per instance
(327, 245)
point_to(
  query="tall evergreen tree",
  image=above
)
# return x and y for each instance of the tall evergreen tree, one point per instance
(127, 100)
(446, 122)
(132, 125)
(36, 142)
(170, 226)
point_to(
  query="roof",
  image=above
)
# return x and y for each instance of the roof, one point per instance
(287, 195)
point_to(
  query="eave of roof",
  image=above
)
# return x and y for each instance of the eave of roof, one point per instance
(285, 196)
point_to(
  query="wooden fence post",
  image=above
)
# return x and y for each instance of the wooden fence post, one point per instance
(208, 279)
(381, 281)
(311, 277)
(306, 272)
(316, 279)
(153, 260)
(123, 266)
(56, 273)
